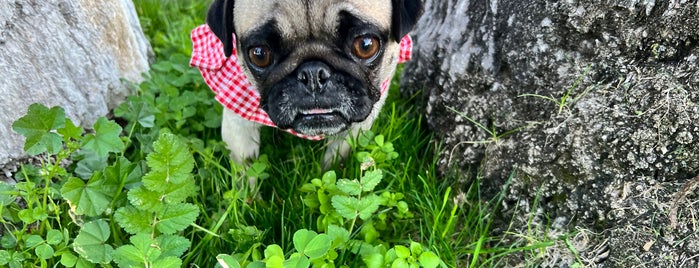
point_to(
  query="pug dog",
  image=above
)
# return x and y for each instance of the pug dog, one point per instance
(315, 68)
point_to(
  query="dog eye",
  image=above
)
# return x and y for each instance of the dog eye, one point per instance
(365, 47)
(260, 56)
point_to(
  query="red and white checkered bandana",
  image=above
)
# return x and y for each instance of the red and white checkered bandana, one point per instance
(233, 89)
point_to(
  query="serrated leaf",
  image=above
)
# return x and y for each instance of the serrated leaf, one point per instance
(128, 256)
(44, 251)
(173, 245)
(338, 235)
(371, 179)
(90, 199)
(5, 257)
(141, 252)
(145, 199)
(429, 260)
(297, 260)
(170, 162)
(105, 139)
(350, 187)
(177, 193)
(91, 242)
(133, 220)
(167, 262)
(37, 127)
(176, 217)
(346, 206)
(368, 206)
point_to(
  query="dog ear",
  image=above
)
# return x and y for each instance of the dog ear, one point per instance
(220, 20)
(405, 16)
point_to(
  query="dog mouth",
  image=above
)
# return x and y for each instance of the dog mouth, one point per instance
(320, 122)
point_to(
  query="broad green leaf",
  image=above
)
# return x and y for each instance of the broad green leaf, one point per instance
(379, 139)
(145, 199)
(415, 248)
(275, 262)
(68, 259)
(8, 194)
(171, 162)
(297, 260)
(346, 206)
(33, 240)
(136, 111)
(90, 164)
(368, 206)
(70, 131)
(37, 127)
(429, 260)
(274, 250)
(317, 247)
(302, 237)
(176, 217)
(44, 251)
(133, 220)
(123, 171)
(105, 139)
(329, 178)
(90, 199)
(227, 261)
(350, 187)
(371, 179)
(83, 263)
(173, 245)
(400, 263)
(54, 237)
(91, 242)
(374, 260)
(402, 252)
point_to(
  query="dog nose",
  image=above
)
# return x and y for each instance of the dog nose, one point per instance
(313, 75)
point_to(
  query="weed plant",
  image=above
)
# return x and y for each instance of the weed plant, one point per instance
(154, 187)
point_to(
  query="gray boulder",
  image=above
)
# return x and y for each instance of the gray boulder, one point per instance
(592, 105)
(67, 53)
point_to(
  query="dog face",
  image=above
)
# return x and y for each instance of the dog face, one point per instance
(317, 64)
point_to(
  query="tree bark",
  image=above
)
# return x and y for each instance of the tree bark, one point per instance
(67, 53)
(592, 104)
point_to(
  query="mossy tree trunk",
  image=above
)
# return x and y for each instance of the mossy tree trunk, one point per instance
(592, 104)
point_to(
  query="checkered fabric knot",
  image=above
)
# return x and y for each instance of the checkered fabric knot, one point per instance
(233, 89)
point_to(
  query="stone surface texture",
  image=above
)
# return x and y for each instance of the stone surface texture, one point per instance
(68, 53)
(592, 105)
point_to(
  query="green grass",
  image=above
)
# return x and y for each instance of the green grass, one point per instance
(168, 137)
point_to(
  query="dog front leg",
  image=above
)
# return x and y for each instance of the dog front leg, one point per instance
(242, 137)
